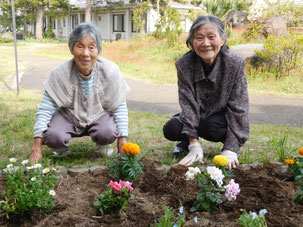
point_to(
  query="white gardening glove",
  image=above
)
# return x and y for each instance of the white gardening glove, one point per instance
(232, 158)
(195, 154)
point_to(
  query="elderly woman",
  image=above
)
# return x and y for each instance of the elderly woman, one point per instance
(212, 94)
(85, 96)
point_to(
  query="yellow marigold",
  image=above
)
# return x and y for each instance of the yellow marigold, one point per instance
(289, 161)
(131, 148)
(220, 160)
(301, 151)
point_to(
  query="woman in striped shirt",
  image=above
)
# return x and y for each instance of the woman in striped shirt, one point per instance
(85, 96)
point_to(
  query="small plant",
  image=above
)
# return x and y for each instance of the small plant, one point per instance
(28, 187)
(169, 219)
(282, 149)
(126, 166)
(252, 219)
(296, 167)
(115, 199)
(211, 183)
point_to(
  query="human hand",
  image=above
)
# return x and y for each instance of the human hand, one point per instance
(36, 154)
(121, 141)
(195, 154)
(232, 158)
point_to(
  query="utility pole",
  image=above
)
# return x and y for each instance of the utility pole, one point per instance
(16, 56)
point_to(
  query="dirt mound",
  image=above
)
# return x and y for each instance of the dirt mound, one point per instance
(262, 187)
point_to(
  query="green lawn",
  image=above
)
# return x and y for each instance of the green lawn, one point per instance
(17, 116)
(146, 59)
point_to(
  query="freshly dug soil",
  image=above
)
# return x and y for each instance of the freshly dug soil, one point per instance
(262, 187)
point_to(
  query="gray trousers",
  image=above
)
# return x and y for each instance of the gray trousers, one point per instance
(60, 130)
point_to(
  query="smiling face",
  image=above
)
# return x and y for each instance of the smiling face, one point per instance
(207, 42)
(85, 52)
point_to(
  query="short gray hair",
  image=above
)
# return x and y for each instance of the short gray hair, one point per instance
(83, 30)
(202, 20)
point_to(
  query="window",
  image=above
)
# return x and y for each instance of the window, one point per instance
(82, 18)
(118, 23)
(74, 21)
(64, 23)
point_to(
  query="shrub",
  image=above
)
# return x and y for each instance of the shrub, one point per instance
(49, 32)
(169, 26)
(6, 40)
(283, 54)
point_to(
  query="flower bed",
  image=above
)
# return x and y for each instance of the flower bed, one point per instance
(262, 187)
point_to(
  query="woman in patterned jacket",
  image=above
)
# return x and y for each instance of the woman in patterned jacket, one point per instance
(213, 95)
(85, 96)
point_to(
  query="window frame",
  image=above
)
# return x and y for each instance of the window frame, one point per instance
(117, 15)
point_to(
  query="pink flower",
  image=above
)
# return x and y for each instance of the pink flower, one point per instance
(126, 184)
(115, 186)
(232, 190)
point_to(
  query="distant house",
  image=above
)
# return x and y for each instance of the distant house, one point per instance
(113, 22)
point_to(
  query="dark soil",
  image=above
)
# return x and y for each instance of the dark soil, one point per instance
(262, 187)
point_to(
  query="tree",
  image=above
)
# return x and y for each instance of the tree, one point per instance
(139, 16)
(88, 10)
(33, 11)
(6, 16)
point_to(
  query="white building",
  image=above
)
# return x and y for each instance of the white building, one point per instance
(114, 22)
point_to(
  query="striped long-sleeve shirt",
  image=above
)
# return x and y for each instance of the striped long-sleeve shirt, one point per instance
(48, 107)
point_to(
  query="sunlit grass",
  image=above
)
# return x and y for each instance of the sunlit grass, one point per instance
(267, 84)
(17, 117)
(7, 61)
(146, 58)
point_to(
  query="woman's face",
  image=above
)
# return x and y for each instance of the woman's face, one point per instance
(207, 42)
(85, 52)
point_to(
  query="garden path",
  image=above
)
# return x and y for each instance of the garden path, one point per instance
(163, 99)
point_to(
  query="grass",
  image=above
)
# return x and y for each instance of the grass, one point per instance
(147, 59)
(7, 61)
(17, 116)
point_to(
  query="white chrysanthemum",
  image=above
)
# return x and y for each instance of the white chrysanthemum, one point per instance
(33, 178)
(24, 162)
(29, 167)
(191, 172)
(52, 192)
(46, 170)
(216, 174)
(37, 165)
(12, 160)
(9, 166)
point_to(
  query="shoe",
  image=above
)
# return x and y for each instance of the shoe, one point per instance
(181, 147)
(61, 152)
(105, 150)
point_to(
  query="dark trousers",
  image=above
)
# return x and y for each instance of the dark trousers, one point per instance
(212, 129)
(60, 130)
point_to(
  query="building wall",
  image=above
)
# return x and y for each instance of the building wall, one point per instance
(103, 18)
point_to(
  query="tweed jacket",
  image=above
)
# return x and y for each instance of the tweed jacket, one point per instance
(223, 90)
